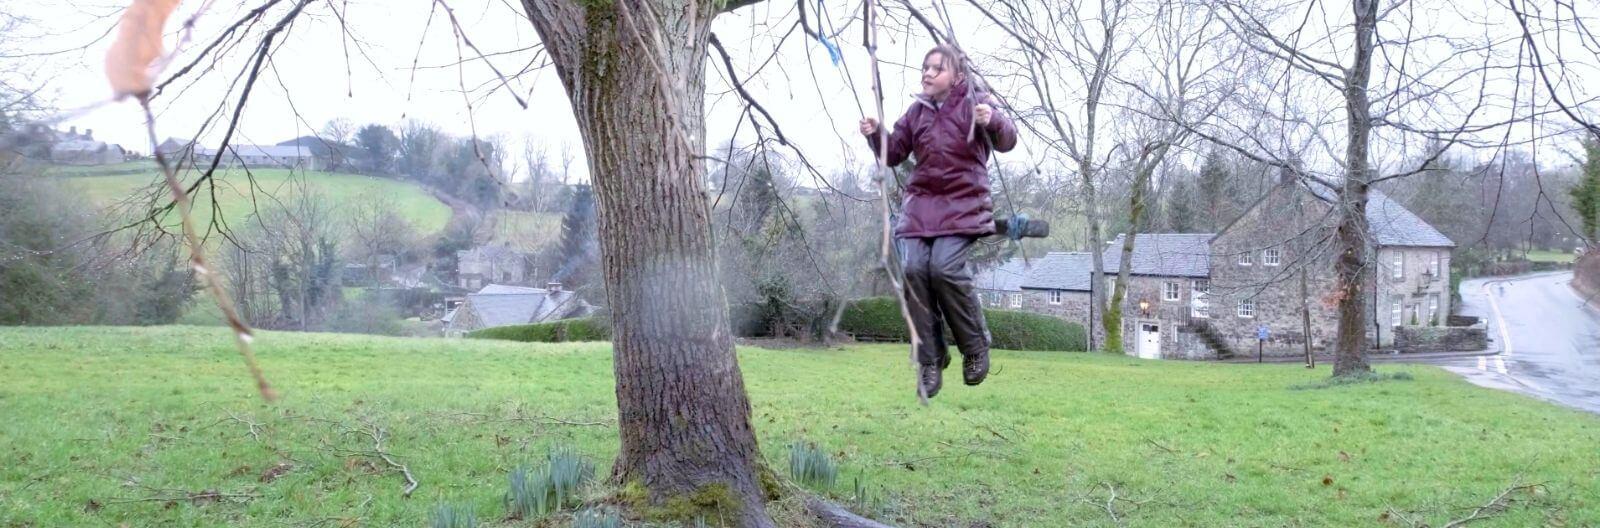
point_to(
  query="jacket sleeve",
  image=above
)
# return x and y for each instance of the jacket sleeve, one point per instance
(1001, 129)
(899, 140)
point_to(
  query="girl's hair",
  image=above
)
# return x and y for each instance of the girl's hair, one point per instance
(952, 57)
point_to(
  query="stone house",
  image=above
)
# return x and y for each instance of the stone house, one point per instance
(484, 265)
(1274, 270)
(1167, 280)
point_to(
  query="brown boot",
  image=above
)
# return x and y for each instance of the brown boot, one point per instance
(975, 368)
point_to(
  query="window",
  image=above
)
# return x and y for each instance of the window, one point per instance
(1399, 269)
(1016, 300)
(1433, 265)
(1202, 286)
(1200, 310)
(1270, 257)
(1394, 310)
(1247, 308)
(1246, 259)
(1433, 308)
(1055, 296)
(1169, 291)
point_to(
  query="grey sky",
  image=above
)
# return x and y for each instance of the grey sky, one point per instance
(808, 95)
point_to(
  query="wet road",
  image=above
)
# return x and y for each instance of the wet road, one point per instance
(1548, 336)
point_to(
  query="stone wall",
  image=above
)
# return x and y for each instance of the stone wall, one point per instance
(1263, 258)
(1586, 276)
(1410, 339)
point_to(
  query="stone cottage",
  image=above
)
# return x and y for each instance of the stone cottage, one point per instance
(504, 305)
(1205, 296)
(1273, 269)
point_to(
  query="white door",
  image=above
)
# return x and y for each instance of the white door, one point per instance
(1149, 341)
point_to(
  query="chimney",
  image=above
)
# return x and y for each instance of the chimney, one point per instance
(73, 131)
(554, 287)
(88, 133)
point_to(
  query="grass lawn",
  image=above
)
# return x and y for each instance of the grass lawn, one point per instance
(103, 425)
(1546, 255)
(427, 214)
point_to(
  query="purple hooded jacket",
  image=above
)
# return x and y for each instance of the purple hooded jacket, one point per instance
(949, 190)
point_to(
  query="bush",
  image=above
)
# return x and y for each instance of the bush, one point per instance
(565, 330)
(879, 318)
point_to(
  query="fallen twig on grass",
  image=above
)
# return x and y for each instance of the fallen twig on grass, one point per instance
(1169, 450)
(376, 434)
(1393, 514)
(1496, 505)
(254, 433)
(174, 495)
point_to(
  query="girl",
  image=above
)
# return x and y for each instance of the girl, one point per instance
(951, 128)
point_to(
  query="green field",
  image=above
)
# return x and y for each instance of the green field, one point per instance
(112, 426)
(1546, 255)
(109, 186)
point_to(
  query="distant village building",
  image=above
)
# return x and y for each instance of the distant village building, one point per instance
(504, 305)
(187, 153)
(72, 148)
(1265, 280)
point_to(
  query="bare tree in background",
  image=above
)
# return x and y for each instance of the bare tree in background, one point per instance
(1430, 84)
(379, 229)
(1101, 83)
(340, 135)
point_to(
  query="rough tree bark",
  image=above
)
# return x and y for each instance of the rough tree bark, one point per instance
(634, 71)
(1350, 347)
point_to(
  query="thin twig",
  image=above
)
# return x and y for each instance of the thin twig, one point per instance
(1494, 506)
(241, 331)
(376, 434)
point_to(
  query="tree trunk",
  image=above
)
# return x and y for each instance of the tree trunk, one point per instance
(636, 83)
(1349, 356)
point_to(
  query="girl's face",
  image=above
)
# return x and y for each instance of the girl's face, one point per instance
(938, 75)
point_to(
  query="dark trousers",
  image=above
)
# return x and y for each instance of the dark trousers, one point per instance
(939, 293)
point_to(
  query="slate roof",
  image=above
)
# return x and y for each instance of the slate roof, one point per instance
(1391, 223)
(1164, 254)
(1060, 270)
(502, 309)
(1005, 277)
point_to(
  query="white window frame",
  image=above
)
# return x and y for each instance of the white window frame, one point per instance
(1016, 300)
(1202, 286)
(1396, 310)
(1271, 257)
(1171, 291)
(1246, 259)
(1433, 265)
(1055, 297)
(1247, 309)
(1399, 266)
(1433, 308)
